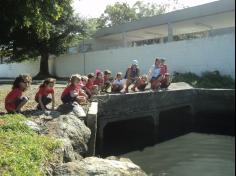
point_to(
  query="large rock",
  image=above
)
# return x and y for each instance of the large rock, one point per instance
(93, 166)
(72, 128)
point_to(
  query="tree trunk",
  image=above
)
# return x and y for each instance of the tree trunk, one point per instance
(44, 68)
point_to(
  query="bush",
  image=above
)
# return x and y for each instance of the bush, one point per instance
(206, 80)
(23, 152)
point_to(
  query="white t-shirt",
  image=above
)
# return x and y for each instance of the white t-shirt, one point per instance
(118, 82)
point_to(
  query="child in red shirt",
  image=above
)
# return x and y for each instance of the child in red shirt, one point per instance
(14, 101)
(73, 91)
(165, 80)
(99, 81)
(42, 97)
(91, 88)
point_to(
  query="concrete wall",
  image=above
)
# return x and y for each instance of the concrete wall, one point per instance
(199, 55)
(30, 67)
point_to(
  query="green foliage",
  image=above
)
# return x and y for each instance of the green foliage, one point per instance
(23, 152)
(206, 80)
(120, 13)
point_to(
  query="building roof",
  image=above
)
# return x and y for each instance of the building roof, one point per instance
(214, 15)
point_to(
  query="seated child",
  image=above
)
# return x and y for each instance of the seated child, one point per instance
(42, 98)
(165, 80)
(118, 83)
(91, 89)
(142, 82)
(14, 101)
(99, 81)
(107, 80)
(73, 91)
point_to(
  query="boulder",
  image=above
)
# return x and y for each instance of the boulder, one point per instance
(72, 128)
(93, 166)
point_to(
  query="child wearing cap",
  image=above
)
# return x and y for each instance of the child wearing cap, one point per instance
(132, 74)
(107, 80)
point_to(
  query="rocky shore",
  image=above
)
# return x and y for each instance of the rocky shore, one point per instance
(68, 125)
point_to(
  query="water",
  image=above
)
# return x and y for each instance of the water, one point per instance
(202, 145)
(192, 154)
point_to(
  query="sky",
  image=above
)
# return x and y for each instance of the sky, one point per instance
(94, 8)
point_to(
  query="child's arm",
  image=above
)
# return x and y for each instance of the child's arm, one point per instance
(74, 93)
(53, 101)
(41, 103)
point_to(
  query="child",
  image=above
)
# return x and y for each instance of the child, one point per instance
(142, 82)
(99, 81)
(73, 91)
(41, 96)
(165, 80)
(14, 101)
(91, 89)
(118, 84)
(107, 80)
(132, 75)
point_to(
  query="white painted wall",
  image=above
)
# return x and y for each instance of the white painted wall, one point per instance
(14, 69)
(199, 55)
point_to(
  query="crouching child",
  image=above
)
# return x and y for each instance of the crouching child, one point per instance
(15, 100)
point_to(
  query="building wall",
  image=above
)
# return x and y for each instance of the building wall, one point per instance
(199, 55)
(29, 67)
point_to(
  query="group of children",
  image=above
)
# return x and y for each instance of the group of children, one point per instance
(81, 88)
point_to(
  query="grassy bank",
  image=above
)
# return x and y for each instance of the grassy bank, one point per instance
(22, 151)
(206, 80)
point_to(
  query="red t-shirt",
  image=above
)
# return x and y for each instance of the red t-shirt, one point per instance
(98, 82)
(12, 96)
(44, 92)
(70, 88)
(163, 69)
(90, 84)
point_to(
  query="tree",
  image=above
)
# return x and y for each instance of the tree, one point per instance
(37, 28)
(120, 13)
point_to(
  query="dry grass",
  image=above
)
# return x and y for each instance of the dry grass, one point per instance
(5, 88)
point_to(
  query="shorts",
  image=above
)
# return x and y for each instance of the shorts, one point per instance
(67, 99)
(45, 100)
(21, 100)
(155, 78)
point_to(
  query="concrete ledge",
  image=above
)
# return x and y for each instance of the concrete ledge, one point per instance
(91, 122)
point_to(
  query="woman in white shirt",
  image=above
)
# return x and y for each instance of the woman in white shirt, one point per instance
(154, 75)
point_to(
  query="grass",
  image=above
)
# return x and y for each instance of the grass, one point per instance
(22, 151)
(206, 80)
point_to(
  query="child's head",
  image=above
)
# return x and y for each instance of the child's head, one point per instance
(22, 82)
(119, 76)
(48, 83)
(75, 79)
(84, 79)
(162, 61)
(99, 75)
(157, 61)
(91, 77)
(107, 73)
